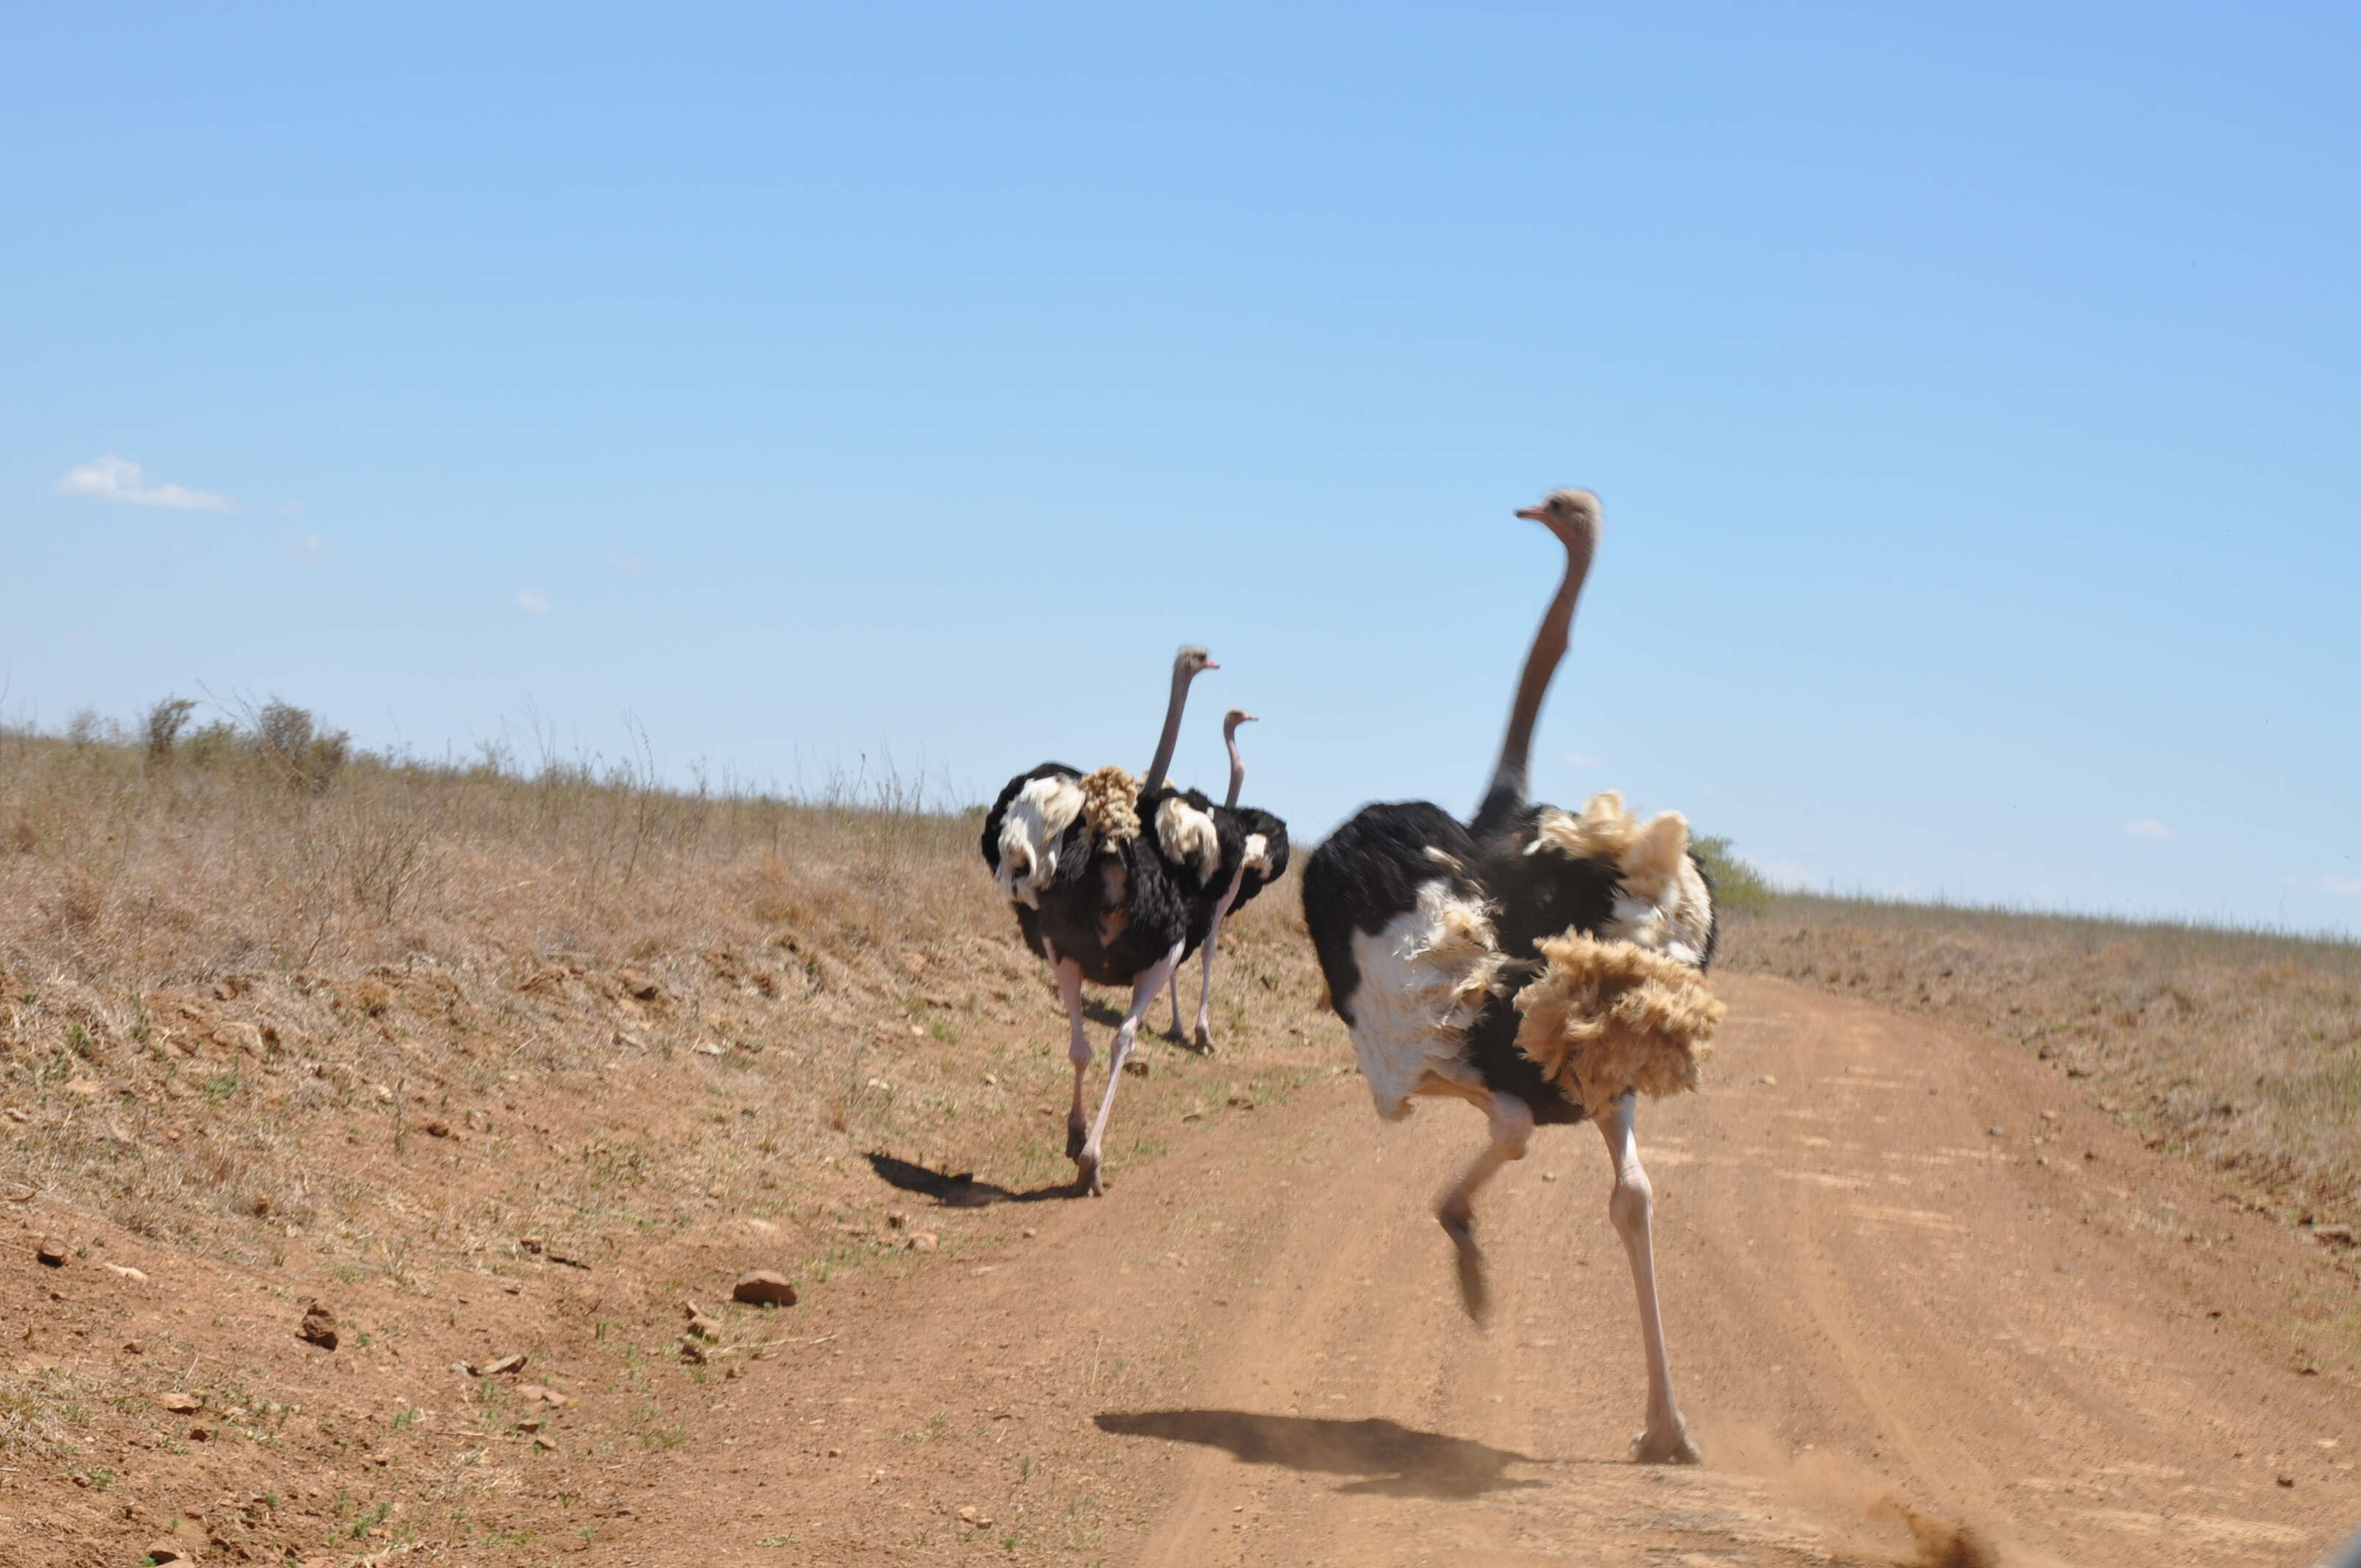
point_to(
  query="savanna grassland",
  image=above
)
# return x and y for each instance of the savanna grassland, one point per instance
(488, 1064)
(493, 1060)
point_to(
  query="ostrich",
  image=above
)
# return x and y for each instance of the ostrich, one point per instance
(1542, 965)
(1265, 862)
(1113, 880)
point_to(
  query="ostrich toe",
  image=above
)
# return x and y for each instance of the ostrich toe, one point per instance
(1668, 1444)
(1077, 1134)
(1203, 1045)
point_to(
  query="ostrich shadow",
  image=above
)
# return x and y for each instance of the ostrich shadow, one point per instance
(959, 1191)
(1392, 1459)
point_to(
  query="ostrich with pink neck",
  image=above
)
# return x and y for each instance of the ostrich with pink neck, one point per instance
(1113, 879)
(1264, 862)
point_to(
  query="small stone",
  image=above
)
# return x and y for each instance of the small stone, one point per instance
(52, 1251)
(692, 1350)
(1029, 1233)
(546, 1445)
(1997, 1131)
(168, 1551)
(2287, 1480)
(638, 985)
(319, 1326)
(923, 1240)
(895, 1219)
(531, 1423)
(438, 1129)
(1549, 1176)
(705, 1328)
(763, 1288)
(1767, 1081)
(550, 1397)
(132, 1347)
(1136, 1066)
(708, 1048)
(2049, 1115)
(181, 1404)
(133, 1275)
(506, 1364)
(199, 1434)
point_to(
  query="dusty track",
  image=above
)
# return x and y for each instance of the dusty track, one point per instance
(1251, 1352)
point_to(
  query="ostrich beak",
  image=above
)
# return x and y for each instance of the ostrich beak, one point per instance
(1249, 718)
(1534, 514)
(1210, 664)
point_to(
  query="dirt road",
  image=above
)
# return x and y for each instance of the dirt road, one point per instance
(1898, 1262)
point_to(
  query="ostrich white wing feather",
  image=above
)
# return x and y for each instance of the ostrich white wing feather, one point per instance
(1424, 979)
(1189, 836)
(1037, 819)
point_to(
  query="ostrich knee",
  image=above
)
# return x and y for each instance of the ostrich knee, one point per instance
(1631, 1207)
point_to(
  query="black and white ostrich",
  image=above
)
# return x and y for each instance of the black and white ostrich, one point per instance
(1264, 861)
(1543, 965)
(1113, 880)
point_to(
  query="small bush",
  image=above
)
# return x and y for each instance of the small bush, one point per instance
(163, 726)
(1737, 886)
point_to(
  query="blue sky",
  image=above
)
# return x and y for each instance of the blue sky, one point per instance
(1973, 396)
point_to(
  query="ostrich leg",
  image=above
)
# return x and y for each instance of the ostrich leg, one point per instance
(1665, 1438)
(1512, 1126)
(1143, 992)
(1176, 996)
(1078, 1046)
(1204, 1041)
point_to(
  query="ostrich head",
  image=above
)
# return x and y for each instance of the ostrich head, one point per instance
(1191, 662)
(1232, 719)
(1572, 515)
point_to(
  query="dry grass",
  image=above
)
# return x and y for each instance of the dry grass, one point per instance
(289, 1024)
(2239, 1048)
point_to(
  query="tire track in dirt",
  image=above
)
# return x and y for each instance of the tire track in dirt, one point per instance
(1251, 1352)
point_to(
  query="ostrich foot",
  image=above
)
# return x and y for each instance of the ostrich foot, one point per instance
(1203, 1044)
(1474, 1294)
(1665, 1442)
(1077, 1133)
(1087, 1178)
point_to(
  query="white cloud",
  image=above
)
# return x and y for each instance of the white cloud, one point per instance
(311, 549)
(113, 478)
(1788, 877)
(532, 601)
(1585, 760)
(2147, 828)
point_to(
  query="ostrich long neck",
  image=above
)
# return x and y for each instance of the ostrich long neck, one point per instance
(1511, 775)
(1171, 740)
(1237, 767)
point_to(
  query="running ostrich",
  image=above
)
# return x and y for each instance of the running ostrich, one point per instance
(1265, 862)
(1113, 880)
(1546, 967)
